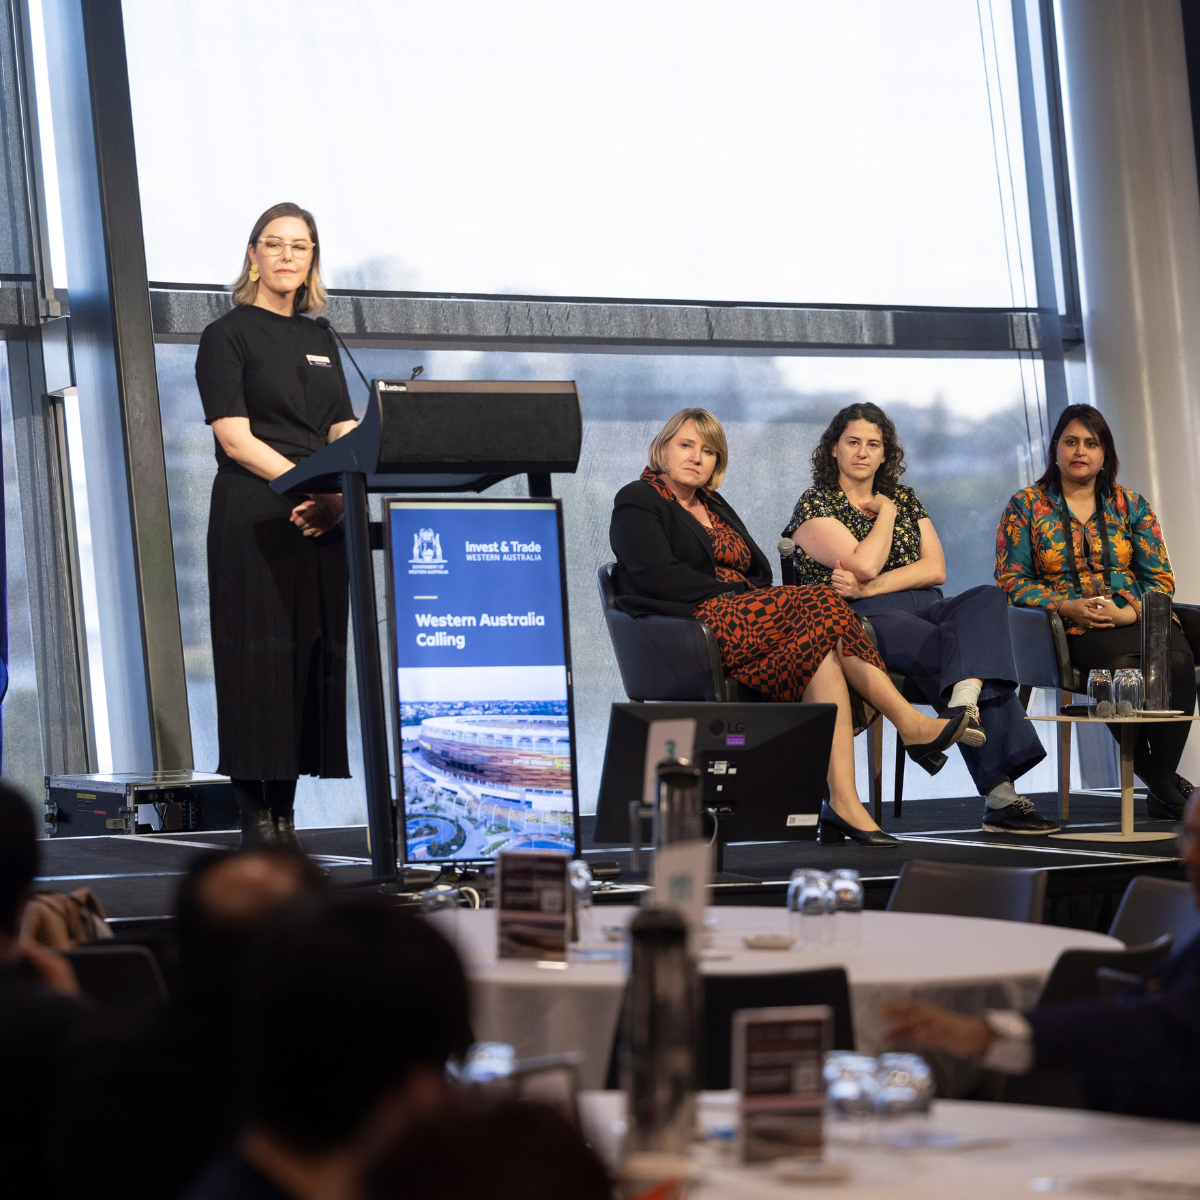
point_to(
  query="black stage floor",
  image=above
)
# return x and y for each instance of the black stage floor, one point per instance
(136, 877)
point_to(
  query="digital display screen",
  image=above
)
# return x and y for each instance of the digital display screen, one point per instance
(482, 677)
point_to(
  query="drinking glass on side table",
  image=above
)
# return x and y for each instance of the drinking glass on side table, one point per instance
(1099, 692)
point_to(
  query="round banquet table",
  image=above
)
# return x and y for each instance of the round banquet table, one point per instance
(1043, 1150)
(964, 963)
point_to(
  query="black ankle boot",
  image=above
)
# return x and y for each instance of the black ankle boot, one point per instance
(258, 829)
(285, 832)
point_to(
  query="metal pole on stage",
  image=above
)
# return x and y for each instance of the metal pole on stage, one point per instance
(370, 679)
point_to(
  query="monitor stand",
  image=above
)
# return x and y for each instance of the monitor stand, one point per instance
(723, 818)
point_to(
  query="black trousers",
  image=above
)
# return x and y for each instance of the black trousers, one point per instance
(1159, 747)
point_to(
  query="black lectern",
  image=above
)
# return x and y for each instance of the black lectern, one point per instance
(427, 436)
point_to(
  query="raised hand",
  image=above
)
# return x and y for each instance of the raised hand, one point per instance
(877, 504)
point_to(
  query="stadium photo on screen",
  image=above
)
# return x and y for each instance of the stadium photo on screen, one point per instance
(486, 776)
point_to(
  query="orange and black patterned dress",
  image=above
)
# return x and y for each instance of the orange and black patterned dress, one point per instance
(773, 639)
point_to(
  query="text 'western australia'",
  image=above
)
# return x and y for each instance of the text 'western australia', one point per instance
(442, 621)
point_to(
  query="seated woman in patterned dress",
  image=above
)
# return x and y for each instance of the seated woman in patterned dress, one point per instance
(1095, 579)
(682, 551)
(859, 530)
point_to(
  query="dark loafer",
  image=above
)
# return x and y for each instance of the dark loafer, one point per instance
(1165, 801)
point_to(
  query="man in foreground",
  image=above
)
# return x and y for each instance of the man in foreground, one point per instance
(174, 1064)
(1137, 1054)
(351, 1012)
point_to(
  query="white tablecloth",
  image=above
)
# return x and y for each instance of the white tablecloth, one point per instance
(1044, 1148)
(963, 963)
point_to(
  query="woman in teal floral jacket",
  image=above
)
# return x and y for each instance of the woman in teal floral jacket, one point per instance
(1096, 577)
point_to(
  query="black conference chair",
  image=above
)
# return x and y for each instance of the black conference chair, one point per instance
(726, 994)
(1152, 907)
(1079, 975)
(1039, 644)
(1043, 657)
(666, 658)
(1073, 976)
(958, 890)
(117, 975)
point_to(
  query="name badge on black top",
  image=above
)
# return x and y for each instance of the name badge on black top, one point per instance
(318, 360)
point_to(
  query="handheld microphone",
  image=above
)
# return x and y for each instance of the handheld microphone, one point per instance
(786, 547)
(326, 323)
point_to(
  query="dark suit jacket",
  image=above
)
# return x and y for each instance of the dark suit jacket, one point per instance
(34, 1022)
(158, 1059)
(1137, 1054)
(665, 558)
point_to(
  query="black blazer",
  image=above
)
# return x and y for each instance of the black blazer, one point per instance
(1137, 1054)
(665, 560)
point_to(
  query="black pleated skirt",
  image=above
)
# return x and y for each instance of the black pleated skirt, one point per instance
(278, 605)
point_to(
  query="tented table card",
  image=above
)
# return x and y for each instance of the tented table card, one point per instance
(533, 912)
(778, 1070)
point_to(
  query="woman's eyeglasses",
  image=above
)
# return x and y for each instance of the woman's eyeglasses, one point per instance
(273, 248)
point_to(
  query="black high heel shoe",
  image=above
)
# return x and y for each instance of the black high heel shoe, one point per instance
(833, 830)
(929, 755)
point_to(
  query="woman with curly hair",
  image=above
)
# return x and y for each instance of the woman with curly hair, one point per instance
(863, 533)
(1095, 575)
(682, 551)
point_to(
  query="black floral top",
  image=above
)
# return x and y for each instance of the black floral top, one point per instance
(832, 502)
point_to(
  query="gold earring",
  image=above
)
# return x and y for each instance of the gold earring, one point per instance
(253, 272)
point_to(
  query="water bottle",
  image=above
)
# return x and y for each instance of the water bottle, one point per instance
(1156, 651)
(658, 1040)
(676, 803)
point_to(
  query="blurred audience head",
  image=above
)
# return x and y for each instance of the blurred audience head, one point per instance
(509, 1151)
(223, 901)
(1189, 843)
(353, 1009)
(18, 856)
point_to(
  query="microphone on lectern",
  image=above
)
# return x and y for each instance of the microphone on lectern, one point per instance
(326, 323)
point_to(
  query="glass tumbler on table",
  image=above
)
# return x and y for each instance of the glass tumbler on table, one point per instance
(1127, 692)
(1100, 694)
(847, 890)
(850, 1085)
(809, 898)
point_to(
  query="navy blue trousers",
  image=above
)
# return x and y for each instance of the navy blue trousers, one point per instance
(936, 642)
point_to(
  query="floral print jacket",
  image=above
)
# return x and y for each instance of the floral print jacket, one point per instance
(1034, 568)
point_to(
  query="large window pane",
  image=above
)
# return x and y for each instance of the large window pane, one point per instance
(864, 151)
(22, 748)
(971, 429)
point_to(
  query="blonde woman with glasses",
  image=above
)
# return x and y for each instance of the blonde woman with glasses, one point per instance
(273, 391)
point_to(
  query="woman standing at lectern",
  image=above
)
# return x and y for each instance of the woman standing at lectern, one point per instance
(273, 391)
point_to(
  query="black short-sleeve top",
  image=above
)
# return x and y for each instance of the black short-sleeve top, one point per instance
(283, 373)
(832, 502)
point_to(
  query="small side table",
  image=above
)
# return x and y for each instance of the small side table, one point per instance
(1129, 727)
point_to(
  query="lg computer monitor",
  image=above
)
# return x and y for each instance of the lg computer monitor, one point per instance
(764, 764)
(481, 677)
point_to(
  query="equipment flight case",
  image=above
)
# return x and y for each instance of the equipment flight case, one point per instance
(138, 802)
